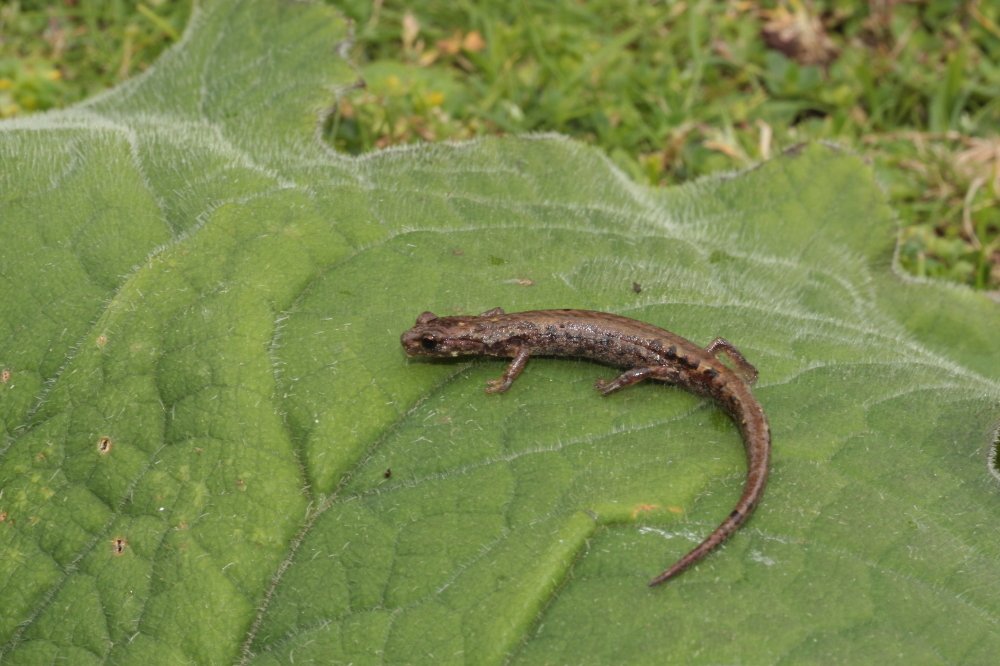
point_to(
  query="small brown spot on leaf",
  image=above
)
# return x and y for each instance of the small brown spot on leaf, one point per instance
(5, 375)
(102, 340)
(636, 287)
(104, 445)
(118, 546)
(3, 516)
(644, 508)
(387, 473)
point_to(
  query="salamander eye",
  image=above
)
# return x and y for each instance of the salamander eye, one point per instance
(428, 343)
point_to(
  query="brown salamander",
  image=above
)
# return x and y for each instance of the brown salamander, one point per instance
(648, 352)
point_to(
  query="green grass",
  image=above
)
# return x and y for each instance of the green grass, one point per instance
(53, 54)
(669, 90)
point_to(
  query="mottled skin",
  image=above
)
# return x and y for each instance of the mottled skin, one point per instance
(648, 351)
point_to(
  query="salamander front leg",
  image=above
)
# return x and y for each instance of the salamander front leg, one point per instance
(510, 374)
(742, 366)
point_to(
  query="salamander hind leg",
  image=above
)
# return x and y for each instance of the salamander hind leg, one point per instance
(627, 378)
(742, 366)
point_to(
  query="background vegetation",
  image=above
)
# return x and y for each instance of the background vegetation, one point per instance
(669, 90)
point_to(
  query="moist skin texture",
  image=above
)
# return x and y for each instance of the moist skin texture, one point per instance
(648, 351)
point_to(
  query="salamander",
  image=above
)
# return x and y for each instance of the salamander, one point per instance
(647, 351)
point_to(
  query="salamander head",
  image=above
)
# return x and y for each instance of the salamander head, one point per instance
(444, 336)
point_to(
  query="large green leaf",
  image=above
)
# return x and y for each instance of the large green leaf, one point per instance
(203, 392)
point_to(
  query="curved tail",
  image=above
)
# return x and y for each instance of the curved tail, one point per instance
(749, 416)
